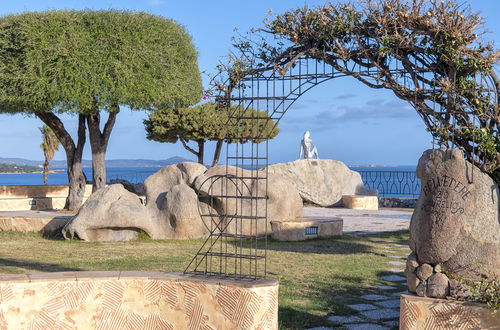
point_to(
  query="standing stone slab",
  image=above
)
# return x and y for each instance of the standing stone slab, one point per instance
(456, 220)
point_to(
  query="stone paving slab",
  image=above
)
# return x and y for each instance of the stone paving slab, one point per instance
(397, 263)
(381, 314)
(374, 297)
(365, 326)
(345, 319)
(393, 278)
(396, 270)
(394, 303)
(362, 307)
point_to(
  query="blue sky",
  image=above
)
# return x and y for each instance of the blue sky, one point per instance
(348, 121)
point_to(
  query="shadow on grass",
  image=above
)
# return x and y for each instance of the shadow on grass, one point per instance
(397, 237)
(344, 244)
(289, 318)
(35, 265)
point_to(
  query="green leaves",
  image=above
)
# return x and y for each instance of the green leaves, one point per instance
(207, 122)
(75, 60)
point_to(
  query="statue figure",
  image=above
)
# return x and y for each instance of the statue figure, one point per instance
(307, 147)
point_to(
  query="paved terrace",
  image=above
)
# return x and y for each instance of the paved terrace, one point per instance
(364, 222)
(355, 221)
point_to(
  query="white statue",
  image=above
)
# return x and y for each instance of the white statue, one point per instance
(307, 147)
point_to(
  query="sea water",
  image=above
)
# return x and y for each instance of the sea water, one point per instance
(390, 181)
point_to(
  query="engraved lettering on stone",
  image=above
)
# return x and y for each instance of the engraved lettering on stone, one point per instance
(447, 194)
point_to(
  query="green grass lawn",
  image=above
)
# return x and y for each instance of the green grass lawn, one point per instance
(317, 277)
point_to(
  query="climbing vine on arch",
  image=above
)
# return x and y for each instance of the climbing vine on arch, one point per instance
(432, 54)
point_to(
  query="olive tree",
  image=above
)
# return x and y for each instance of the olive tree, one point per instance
(432, 54)
(203, 123)
(88, 63)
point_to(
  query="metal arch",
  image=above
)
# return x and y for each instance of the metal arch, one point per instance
(250, 158)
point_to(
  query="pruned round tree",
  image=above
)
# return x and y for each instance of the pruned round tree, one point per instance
(203, 123)
(431, 54)
(92, 62)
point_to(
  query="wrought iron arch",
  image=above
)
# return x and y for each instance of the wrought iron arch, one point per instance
(238, 249)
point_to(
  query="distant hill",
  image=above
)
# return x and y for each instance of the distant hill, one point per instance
(13, 168)
(109, 163)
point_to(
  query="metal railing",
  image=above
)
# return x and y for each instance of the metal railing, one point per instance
(392, 183)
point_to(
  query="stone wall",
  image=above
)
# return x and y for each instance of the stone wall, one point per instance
(44, 223)
(395, 202)
(430, 313)
(36, 197)
(135, 300)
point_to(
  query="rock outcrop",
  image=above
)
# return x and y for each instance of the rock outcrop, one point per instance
(172, 208)
(321, 181)
(455, 227)
(110, 214)
(283, 203)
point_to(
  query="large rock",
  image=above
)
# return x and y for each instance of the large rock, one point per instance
(321, 181)
(110, 214)
(456, 220)
(190, 171)
(116, 214)
(173, 207)
(181, 211)
(283, 203)
(158, 183)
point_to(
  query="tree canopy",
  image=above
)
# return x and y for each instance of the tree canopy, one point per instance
(206, 122)
(80, 60)
(429, 53)
(88, 62)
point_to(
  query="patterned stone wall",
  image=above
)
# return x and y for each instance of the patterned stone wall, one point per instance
(431, 313)
(135, 300)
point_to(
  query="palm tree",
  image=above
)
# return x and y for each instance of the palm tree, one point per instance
(49, 146)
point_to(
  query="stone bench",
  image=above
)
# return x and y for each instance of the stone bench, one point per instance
(360, 202)
(306, 228)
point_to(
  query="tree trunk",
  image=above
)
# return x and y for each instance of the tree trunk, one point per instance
(99, 144)
(201, 151)
(76, 177)
(218, 149)
(46, 172)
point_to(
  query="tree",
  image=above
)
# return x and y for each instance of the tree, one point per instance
(429, 53)
(88, 62)
(49, 146)
(205, 123)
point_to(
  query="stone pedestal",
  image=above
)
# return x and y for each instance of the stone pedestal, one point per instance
(360, 202)
(306, 228)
